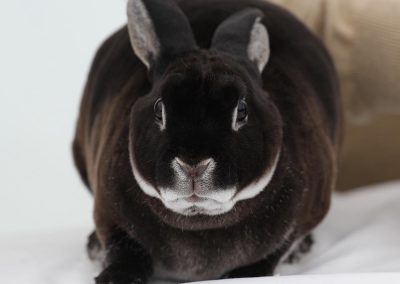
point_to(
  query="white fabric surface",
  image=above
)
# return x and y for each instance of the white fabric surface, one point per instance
(359, 242)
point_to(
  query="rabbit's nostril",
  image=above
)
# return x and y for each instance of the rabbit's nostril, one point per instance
(195, 171)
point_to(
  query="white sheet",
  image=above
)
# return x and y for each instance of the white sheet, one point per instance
(360, 235)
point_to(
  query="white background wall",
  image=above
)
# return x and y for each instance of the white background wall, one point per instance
(46, 47)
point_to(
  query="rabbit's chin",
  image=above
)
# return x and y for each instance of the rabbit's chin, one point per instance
(198, 206)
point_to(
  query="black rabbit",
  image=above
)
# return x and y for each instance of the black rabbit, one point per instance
(208, 134)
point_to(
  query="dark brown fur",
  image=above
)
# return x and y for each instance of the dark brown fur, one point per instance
(301, 81)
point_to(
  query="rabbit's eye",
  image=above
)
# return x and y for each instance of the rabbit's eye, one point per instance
(158, 110)
(159, 113)
(241, 112)
(239, 115)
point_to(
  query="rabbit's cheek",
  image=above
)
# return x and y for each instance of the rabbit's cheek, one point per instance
(260, 183)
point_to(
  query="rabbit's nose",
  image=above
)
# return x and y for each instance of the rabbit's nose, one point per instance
(195, 171)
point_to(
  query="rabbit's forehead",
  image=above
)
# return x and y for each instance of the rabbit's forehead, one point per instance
(212, 87)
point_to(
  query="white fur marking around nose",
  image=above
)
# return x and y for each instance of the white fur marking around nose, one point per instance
(215, 201)
(202, 163)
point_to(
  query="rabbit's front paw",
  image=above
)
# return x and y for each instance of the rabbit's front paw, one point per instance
(118, 275)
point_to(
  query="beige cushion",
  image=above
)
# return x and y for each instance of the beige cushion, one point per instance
(363, 37)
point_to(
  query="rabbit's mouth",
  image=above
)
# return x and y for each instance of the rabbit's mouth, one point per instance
(194, 193)
(190, 206)
(210, 202)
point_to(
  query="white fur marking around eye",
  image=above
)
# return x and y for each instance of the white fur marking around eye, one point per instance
(163, 126)
(259, 47)
(142, 33)
(258, 186)
(235, 126)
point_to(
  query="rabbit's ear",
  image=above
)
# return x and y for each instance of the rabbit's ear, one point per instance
(243, 35)
(159, 32)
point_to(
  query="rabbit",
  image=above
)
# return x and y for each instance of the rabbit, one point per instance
(208, 135)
